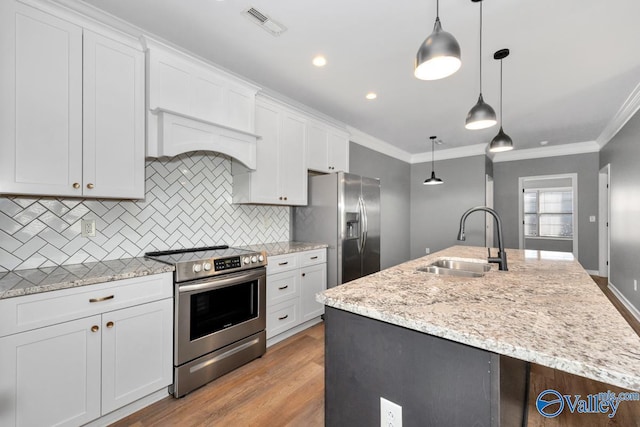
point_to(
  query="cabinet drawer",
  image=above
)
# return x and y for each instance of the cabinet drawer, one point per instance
(317, 256)
(35, 311)
(280, 263)
(282, 286)
(283, 316)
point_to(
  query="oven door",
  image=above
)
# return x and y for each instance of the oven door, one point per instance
(215, 312)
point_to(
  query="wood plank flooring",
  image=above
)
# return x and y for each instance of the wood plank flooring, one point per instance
(286, 388)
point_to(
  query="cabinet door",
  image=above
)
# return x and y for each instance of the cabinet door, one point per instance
(41, 100)
(137, 356)
(338, 146)
(113, 134)
(317, 148)
(314, 280)
(293, 165)
(51, 376)
(264, 180)
(282, 286)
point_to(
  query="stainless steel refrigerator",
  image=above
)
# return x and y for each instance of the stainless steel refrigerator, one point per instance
(344, 212)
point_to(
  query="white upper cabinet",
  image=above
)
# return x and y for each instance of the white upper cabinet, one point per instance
(280, 177)
(327, 148)
(72, 121)
(195, 106)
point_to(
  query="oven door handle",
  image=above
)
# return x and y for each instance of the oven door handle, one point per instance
(221, 282)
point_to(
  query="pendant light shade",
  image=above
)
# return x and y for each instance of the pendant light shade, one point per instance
(481, 116)
(433, 180)
(502, 141)
(439, 54)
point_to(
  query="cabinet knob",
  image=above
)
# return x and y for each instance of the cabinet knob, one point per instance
(95, 328)
(110, 324)
(76, 185)
(280, 197)
(90, 186)
(304, 274)
(285, 198)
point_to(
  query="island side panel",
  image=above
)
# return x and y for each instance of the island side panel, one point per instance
(436, 381)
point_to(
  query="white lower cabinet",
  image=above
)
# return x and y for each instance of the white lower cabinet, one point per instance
(73, 372)
(293, 280)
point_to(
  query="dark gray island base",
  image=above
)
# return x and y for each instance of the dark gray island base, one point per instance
(437, 382)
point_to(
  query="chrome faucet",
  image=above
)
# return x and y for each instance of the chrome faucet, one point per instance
(501, 259)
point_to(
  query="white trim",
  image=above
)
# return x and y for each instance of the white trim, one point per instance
(628, 109)
(129, 409)
(627, 304)
(451, 153)
(291, 332)
(592, 272)
(548, 151)
(604, 212)
(574, 187)
(378, 145)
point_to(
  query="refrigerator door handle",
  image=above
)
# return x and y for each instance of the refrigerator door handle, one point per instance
(365, 224)
(360, 241)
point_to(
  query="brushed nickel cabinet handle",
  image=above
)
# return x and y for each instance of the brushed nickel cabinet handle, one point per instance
(283, 287)
(95, 328)
(90, 186)
(283, 317)
(76, 185)
(283, 263)
(110, 324)
(101, 299)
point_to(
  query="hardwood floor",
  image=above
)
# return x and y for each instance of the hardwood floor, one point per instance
(286, 388)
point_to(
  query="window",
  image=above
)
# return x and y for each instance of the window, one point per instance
(548, 213)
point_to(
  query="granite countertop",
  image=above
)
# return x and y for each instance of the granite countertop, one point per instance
(282, 248)
(24, 282)
(545, 309)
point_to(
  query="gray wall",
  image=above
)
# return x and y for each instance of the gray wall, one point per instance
(506, 196)
(436, 209)
(394, 200)
(623, 153)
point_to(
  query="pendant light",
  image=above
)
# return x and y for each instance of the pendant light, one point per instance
(502, 141)
(439, 54)
(433, 180)
(481, 116)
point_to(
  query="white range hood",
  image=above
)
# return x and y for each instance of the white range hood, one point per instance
(194, 106)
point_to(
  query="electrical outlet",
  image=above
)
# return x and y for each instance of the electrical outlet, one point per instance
(592, 218)
(427, 250)
(88, 227)
(390, 414)
(635, 285)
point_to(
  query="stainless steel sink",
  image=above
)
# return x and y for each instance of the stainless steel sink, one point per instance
(477, 267)
(449, 267)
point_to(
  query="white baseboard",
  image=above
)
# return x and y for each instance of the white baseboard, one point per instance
(125, 411)
(291, 332)
(634, 311)
(593, 272)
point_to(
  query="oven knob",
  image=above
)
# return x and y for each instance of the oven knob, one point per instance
(197, 268)
(246, 260)
(260, 257)
(206, 266)
(254, 259)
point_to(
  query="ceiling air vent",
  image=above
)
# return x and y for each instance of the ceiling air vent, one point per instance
(266, 23)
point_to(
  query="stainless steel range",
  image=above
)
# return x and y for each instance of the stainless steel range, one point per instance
(220, 300)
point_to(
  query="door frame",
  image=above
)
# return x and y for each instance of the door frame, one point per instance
(574, 188)
(604, 224)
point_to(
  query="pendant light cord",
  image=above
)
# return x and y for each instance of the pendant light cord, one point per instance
(501, 93)
(481, 48)
(437, 8)
(433, 160)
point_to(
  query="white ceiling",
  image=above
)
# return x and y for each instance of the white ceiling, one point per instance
(573, 63)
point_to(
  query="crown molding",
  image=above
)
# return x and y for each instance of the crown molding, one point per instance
(378, 145)
(629, 107)
(451, 153)
(548, 151)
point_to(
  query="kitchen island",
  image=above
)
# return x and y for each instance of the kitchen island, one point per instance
(451, 350)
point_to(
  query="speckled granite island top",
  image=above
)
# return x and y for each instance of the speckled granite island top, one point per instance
(282, 248)
(33, 281)
(545, 309)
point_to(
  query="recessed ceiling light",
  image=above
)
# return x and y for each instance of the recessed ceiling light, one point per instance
(371, 95)
(544, 142)
(319, 61)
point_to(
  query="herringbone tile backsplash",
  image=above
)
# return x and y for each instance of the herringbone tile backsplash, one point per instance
(187, 204)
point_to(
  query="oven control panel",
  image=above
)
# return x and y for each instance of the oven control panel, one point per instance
(227, 263)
